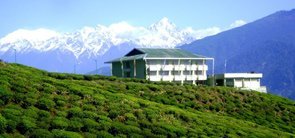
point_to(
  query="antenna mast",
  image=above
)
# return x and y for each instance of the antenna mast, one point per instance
(96, 71)
(225, 66)
(14, 55)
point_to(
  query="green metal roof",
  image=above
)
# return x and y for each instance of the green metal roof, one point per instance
(141, 53)
(168, 53)
(140, 56)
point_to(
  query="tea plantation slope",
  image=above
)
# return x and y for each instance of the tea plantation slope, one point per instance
(36, 103)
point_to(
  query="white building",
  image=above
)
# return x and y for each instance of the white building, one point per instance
(247, 81)
(156, 64)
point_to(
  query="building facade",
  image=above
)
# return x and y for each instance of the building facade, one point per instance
(173, 65)
(246, 81)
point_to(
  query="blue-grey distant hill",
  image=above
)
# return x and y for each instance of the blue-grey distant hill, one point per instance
(266, 45)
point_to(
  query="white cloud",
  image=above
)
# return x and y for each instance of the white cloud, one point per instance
(201, 33)
(238, 23)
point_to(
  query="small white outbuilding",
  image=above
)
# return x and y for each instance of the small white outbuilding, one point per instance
(246, 81)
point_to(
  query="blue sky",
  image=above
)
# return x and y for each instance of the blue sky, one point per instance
(69, 15)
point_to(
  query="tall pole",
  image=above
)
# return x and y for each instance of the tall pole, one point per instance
(96, 71)
(225, 66)
(75, 68)
(213, 76)
(14, 55)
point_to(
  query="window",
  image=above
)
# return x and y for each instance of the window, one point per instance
(167, 62)
(257, 80)
(238, 80)
(152, 62)
(246, 80)
(164, 73)
(186, 72)
(196, 62)
(185, 62)
(175, 72)
(174, 62)
(152, 73)
(198, 72)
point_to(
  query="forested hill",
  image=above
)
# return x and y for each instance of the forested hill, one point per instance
(36, 103)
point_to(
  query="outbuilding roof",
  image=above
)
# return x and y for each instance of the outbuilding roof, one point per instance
(158, 53)
(238, 75)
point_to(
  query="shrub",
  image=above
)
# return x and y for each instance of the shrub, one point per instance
(89, 77)
(59, 123)
(41, 133)
(104, 125)
(65, 134)
(105, 118)
(75, 124)
(60, 103)
(89, 124)
(130, 116)
(43, 119)
(29, 102)
(3, 124)
(11, 125)
(43, 114)
(89, 135)
(11, 113)
(5, 95)
(89, 107)
(27, 124)
(153, 87)
(45, 104)
(75, 112)
(98, 99)
(89, 114)
(113, 114)
(32, 112)
(62, 114)
(104, 134)
(120, 128)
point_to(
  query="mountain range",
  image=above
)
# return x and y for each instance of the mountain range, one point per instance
(266, 45)
(76, 51)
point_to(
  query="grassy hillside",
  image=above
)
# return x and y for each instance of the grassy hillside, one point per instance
(36, 103)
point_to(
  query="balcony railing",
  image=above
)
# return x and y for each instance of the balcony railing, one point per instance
(176, 67)
(176, 77)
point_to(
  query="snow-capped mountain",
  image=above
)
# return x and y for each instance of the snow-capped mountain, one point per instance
(54, 51)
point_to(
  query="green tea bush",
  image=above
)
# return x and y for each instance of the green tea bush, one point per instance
(45, 104)
(59, 123)
(65, 134)
(26, 124)
(6, 96)
(75, 112)
(75, 124)
(12, 112)
(31, 112)
(104, 134)
(89, 124)
(3, 124)
(40, 133)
